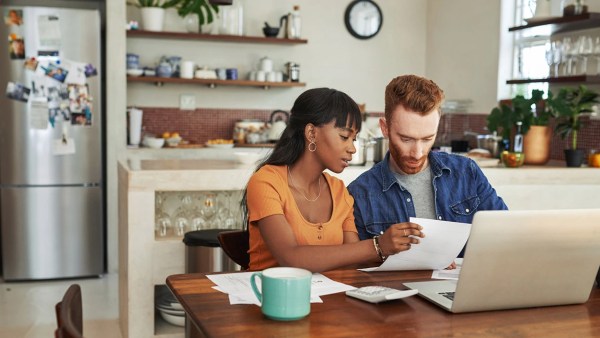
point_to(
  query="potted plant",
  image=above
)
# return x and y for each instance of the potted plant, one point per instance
(503, 119)
(569, 106)
(534, 116)
(201, 11)
(153, 13)
(536, 142)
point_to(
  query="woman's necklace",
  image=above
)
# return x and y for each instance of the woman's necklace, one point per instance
(294, 185)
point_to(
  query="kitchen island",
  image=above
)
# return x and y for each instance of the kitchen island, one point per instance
(145, 261)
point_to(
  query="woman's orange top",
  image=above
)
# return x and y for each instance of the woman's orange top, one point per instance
(268, 194)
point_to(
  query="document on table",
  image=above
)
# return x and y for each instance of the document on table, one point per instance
(237, 286)
(442, 243)
(448, 274)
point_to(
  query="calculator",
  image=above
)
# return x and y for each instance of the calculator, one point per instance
(378, 294)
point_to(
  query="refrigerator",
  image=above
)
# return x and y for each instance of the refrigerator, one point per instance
(52, 217)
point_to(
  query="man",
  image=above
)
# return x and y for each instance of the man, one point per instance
(413, 181)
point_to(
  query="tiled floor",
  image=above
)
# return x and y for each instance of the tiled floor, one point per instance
(27, 308)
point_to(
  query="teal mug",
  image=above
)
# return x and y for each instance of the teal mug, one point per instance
(285, 292)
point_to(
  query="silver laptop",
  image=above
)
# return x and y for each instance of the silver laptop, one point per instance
(518, 259)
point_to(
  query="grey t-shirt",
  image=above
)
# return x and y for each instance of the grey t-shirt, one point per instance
(420, 187)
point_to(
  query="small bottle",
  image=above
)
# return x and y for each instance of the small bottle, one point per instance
(518, 145)
(294, 24)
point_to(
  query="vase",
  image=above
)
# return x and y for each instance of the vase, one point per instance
(153, 18)
(574, 157)
(536, 145)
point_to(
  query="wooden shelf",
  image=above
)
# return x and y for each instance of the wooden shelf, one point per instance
(212, 37)
(212, 83)
(563, 24)
(562, 79)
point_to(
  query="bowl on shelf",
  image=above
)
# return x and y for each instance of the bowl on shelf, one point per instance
(135, 72)
(173, 141)
(512, 159)
(154, 142)
(271, 32)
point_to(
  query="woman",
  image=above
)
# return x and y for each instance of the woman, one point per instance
(302, 217)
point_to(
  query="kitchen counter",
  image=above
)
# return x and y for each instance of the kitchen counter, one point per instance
(145, 261)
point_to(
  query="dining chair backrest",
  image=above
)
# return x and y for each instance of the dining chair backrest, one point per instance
(236, 244)
(69, 314)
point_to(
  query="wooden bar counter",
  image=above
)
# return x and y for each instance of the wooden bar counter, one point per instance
(341, 316)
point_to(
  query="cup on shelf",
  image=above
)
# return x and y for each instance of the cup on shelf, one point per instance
(187, 69)
(271, 77)
(261, 76)
(231, 73)
(221, 73)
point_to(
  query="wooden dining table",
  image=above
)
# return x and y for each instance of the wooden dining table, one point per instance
(342, 316)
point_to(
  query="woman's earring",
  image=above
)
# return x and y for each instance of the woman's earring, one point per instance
(312, 146)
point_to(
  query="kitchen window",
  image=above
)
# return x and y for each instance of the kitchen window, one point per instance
(529, 50)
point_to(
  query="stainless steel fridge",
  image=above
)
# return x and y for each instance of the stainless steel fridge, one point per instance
(51, 152)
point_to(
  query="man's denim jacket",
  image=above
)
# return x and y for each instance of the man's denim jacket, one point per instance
(459, 189)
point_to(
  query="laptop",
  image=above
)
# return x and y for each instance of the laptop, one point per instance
(520, 259)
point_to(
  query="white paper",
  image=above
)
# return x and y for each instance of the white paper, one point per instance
(237, 286)
(76, 74)
(442, 243)
(49, 32)
(448, 274)
(39, 114)
(64, 146)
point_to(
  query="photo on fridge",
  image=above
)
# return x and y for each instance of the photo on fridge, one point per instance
(17, 91)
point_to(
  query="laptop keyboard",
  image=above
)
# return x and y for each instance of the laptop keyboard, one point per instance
(449, 295)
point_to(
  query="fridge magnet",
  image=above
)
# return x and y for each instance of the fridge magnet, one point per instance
(39, 109)
(76, 72)
(53, 53)
(63, 146)
(31, 64)
(13, 17)
(55, 71)
(17, 91)
(90, 70)
(78, 97)
(16, 47)
(49, 32)
(39, 87)
(81, 119)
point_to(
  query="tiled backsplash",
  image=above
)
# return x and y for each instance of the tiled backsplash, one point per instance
(200, 125)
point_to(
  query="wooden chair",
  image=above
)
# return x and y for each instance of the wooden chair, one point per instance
(236, 244)
(69, 314)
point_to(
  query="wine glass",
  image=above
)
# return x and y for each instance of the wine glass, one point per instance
(557, 54)
(586, 48)
(550, 58)
(162, 220)
(596, 53)
(225, 216)
(181, 220)
(208, 208)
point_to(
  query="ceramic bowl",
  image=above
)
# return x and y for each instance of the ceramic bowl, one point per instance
(271, 32)
(173, 319)
(512, 159)
(154, 142)
(173, 141)
(135, 72)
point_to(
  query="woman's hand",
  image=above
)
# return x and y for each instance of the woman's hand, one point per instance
(397, 237)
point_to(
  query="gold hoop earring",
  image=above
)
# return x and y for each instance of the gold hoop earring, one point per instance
(312, 146)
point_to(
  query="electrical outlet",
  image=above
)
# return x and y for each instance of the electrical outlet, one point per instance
(187, 102)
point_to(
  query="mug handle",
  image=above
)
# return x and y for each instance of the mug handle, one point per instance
(253, 284)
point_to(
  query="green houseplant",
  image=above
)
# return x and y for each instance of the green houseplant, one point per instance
(569, 106)
(204, 10)
(534, 115)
